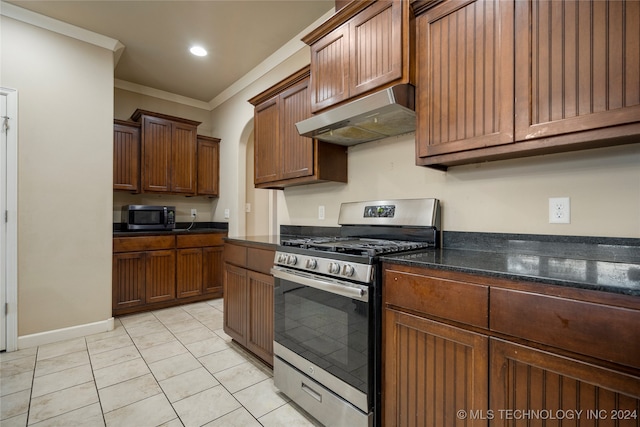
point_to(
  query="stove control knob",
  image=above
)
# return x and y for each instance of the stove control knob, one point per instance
(334, 268)
(348, 270)
(282, 259)
(292, 260)
(311, 264)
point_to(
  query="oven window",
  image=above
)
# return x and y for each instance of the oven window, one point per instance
(327, 329)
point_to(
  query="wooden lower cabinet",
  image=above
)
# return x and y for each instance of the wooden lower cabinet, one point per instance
(160, 276)
(151, 272)
(248, 298)
(529, 386)
(260, 315)
(212, 270)
(546, 354)
(431, 371)
(189, 277)
(128, 280)
(235, 303)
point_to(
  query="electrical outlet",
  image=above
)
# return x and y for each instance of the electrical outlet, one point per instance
(559, 210)
(227, 213)
(194, 213)
(247, 207)
(321, 212)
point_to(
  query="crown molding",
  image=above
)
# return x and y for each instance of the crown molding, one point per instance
(41, 21)
(161, 94)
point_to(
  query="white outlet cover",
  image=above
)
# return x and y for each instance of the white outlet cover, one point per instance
(559, 210)
(227, 213)
(321, 212)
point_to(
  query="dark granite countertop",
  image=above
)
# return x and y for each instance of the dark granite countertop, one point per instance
(596, 263)
(181, 228)
(270, 242)
(603, 264)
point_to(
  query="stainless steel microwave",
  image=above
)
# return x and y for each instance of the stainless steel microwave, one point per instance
(147, 217)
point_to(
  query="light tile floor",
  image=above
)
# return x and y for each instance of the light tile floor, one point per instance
(171, 367)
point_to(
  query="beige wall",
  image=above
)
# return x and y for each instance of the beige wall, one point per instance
(65, 149)
(506, 196)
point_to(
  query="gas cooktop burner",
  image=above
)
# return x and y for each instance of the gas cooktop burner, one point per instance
(354, 246)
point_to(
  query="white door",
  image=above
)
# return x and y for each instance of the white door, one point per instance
(8, 219)
(3, 228)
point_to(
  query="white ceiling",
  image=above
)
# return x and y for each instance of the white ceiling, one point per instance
(239, 35)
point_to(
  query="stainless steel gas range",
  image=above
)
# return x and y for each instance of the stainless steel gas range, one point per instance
(327, 307)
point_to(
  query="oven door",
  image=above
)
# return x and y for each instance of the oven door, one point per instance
(323, 328)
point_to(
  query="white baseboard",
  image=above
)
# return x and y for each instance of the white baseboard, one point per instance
(64, 334)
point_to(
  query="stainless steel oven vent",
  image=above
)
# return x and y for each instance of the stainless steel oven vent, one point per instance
(382, 114)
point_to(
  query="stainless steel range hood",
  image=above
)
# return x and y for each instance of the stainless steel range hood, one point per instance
(379, 115)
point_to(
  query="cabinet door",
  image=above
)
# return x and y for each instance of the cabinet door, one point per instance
(375, 37)
(126, 158)
(465, 95)
(235, 303)
(189, 272)
(267, 142)
(128, 280)
(431, 371)
(156, 154)
(260, 310)
(208, 166)
(160, 276)
(531, 381)
(296, 150)
(576, 67)
(183, 159)
(212, 269)
(330, 69)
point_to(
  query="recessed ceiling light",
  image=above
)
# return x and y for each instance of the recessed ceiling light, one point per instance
(198, 51)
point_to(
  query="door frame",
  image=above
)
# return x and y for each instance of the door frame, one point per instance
(10, 250)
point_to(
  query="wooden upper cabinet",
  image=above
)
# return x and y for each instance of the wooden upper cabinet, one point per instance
(330, 64)
(577, 67)
(156, 154)
(296, 152)
(365, 46)
(566, 79)
(126, 156)
(168, 153)
(465, 76)
(266, 136)
(375, 38)
(208, 166)
(183, 158)
(282, 157)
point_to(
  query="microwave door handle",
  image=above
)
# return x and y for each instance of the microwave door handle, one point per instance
(323, 285)
(166, 217)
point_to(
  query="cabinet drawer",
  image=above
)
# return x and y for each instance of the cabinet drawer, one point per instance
(260, 260)
(199, 240)
(602, 331)
(435, 296)
(235, 254)
(143, 243)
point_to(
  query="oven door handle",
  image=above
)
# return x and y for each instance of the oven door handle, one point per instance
(347, 290)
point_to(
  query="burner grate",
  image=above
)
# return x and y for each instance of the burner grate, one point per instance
(351, 246)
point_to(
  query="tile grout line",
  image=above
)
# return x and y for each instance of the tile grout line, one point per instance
(199, 317)
(95, 383)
